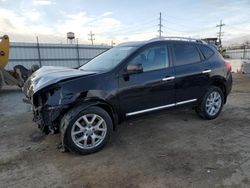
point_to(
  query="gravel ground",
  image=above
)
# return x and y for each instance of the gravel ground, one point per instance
(171, 149)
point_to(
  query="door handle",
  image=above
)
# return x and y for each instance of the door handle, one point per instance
(206, 71)
(168, 78)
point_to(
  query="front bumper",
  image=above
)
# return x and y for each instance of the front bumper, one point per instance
(48, 118)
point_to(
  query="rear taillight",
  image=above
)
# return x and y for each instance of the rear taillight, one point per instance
(228, 65)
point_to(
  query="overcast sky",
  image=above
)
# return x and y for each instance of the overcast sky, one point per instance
(121, 20)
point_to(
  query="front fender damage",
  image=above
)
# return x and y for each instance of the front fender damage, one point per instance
(49, 106)
(55, 107)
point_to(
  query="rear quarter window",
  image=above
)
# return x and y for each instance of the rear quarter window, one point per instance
(185, 54)
(206, 51)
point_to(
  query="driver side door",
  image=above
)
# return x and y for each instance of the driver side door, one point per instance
(153, 88)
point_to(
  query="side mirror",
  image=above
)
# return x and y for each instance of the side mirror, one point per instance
(133, 69)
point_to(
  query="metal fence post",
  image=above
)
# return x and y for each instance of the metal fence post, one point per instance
(77, 53)
(38, 50)
(244, 52)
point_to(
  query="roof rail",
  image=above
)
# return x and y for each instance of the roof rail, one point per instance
(180, 38)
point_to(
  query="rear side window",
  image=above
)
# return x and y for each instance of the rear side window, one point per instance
(185, 54)
(206, 51)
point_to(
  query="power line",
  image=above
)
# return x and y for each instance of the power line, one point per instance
(160, 26)
(139, 32)
(147, 25)
(187, 19)
(186, 28)
(91, 37)
(140, 29)
(220, 32)
(135, 26)
(172, 22)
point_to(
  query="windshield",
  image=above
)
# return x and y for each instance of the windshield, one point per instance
(108, 60)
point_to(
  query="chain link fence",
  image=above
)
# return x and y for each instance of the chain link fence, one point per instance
(238, 54)
(68, 55)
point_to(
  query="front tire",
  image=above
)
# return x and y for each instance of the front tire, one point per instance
(211, 103)
(88, 131)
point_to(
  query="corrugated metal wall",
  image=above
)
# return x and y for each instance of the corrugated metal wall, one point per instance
(239, 54)
(69, 55)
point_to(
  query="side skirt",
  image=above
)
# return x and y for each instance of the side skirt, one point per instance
(160, 107)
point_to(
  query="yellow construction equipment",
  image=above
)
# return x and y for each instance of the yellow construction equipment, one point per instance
(215, 43)
(19, 74)
(4, 53)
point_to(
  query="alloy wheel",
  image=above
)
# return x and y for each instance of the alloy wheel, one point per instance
(213, 103)
(89, 131)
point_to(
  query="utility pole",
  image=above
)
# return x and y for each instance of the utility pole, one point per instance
(220, 33)
(38, 51)
(91, 37)
(112, 43)
(160, 27)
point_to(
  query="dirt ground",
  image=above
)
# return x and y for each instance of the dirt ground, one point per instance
(173, 149)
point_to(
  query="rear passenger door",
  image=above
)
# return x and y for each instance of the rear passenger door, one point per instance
(191, 72)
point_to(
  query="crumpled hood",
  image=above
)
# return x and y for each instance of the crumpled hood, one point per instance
(48, 75)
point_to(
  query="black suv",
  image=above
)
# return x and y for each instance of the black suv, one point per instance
(129, 80)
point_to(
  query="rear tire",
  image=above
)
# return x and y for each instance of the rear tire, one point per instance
(211, 104)
(88, 131)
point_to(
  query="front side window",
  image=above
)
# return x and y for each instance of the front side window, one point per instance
(185, 54)
(152, 58)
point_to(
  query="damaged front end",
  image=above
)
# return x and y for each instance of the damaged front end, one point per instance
(49, 97)
(49, 105)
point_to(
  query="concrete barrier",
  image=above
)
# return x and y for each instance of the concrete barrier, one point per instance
(236, 64)
(246, 67)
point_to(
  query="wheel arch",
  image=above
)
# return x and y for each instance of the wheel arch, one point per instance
(108, 108)
(220, 83)
(82, 105)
